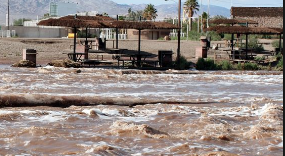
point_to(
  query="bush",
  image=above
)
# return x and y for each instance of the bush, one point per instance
(259, 58)
(279, 56)
(225, 65)
(250, 66)
(275, 44)
(280, 64)
(184, 64)
(214, 36)
(207, 64)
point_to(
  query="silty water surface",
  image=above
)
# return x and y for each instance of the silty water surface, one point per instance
(190, 114)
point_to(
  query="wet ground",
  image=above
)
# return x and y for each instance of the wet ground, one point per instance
(130, 112)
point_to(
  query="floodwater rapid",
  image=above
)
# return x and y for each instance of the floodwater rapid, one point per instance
(61, 111)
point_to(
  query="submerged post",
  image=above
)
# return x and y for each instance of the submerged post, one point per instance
(246, 49)
(117, 35)
(74, 42)
(280, 43)
(86, 49)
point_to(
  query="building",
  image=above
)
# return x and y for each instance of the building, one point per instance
(148, 34)
(62, 9)
(265, 16)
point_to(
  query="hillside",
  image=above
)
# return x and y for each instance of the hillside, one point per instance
(33, 8)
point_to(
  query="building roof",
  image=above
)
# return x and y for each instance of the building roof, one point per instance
(232, 21)
(257, 11)
(245, 30)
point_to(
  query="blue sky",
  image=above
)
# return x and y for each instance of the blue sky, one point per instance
(223, 3)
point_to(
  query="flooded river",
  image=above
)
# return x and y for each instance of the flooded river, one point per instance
(130, 112)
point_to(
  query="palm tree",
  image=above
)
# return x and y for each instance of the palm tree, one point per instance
(150, 12)
(204, 20)
(191, 7)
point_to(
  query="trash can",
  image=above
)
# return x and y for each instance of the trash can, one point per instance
(30, 55)
(204, 41)
(204, 49)
(165, 58)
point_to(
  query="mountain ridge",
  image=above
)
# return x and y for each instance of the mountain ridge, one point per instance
(33, 8)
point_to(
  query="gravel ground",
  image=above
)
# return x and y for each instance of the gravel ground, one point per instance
(49, 49)
(54, 49)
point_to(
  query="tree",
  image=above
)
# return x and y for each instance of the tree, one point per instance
(149, 12)
(20, 22)
(191, 7)
(204, 20)
(134, 16)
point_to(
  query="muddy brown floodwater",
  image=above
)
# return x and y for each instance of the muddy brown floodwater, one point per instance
(129, 112)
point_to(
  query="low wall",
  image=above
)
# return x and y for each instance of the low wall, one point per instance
(38, 32)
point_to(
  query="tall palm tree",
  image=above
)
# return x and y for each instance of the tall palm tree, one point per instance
(150, 12)
(191, 7)
(204, 20)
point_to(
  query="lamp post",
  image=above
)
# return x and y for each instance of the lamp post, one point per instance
(179, 32)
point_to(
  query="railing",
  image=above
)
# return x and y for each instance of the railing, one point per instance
(7, 33)
(176, 34)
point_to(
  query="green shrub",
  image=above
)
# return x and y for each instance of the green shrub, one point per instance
(279, 56)
(239, 66)
(280, 64)
(194, 35)
(259, 58)
(214, 36)
(184, 64)
(225, 65)
(207, 64)
(275, 44)
(250, 66)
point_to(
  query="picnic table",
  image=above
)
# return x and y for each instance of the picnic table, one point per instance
(78, 56)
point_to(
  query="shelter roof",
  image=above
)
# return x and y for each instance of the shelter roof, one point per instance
(257, 11)
(104, 22)
(141, 25)
(233, 21)
(245, 30)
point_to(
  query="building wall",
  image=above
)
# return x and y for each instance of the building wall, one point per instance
(148, 34)
(38, 32)
(274, 22)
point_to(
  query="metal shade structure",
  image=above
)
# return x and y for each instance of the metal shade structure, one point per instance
(77, 22)
(232, 21)
(246, 30)
(104, 22)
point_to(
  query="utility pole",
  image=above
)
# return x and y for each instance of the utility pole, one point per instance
(208, 15)
(179, 32)
(201, 8)
(8, 15)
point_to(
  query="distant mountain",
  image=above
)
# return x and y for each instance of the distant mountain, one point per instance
(33, 8)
